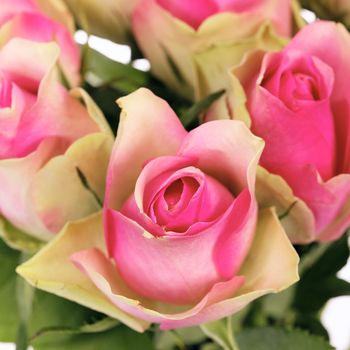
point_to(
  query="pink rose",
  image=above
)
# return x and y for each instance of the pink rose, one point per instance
(45, 133)
(195, 12)
(180, 222)
(26, 19)
(299, 104)
(172, 33)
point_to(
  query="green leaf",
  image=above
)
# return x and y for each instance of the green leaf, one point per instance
(198, 108)
(168, 340)
(101, 71)
(58, 324)
(331, 261)
(121, 338)
(269, 338)
(311, 323)
(103, 325)
(319, 282)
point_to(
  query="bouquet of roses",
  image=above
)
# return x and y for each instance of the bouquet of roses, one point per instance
(206, 209)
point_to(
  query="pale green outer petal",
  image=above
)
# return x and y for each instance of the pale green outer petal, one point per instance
(52, 271)
(59, 176)
(232, 105)
(58, 194)
(57, 10)
(272, 264)
(296, 217)
(172, 49)
(107, 18)
(93, 110)
(18, 239)
(212, 64)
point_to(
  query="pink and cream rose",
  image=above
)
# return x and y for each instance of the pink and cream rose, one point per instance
(42, 21)
(298, 102)
(109, 19)
(184, 243)
(46, 133)
(188, 28)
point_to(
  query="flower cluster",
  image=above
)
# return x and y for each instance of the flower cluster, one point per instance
(167, 223)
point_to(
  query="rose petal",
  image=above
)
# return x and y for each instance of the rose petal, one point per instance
(226, 150)
(56, 207)
(15, 203)
(262, 276)
(337, 55)
(52, 271)
(141, 111)
(37, 27)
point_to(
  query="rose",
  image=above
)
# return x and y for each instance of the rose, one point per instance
(299, 104)
(108, 18)
(42, 21)
(172, 34)
(45, 135)
(180, 226)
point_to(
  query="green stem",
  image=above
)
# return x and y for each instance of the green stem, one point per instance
(309, 259)
(25, 295)
(179, 341)
(231, 336)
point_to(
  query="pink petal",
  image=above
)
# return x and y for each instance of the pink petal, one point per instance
(157, 268)
(15, 178)
(39, 28)
(104, 275)
(330, 42)
(139, 140)
(192, 12)
(225, 150)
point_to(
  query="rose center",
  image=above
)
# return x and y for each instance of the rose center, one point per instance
(305, 87)
(173, 193)
(5, 94)
(180, 192)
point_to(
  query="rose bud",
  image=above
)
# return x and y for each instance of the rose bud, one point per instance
(297, 100)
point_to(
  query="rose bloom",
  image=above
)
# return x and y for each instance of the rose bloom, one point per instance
(46, 133)
(298, 102)
(172, 33)
(42, 21)
(183, 242)
(109, 19)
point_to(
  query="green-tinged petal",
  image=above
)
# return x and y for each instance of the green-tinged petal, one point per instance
(109, 19)
(212, 64)
(52, 271)
(272, 264)
(58, 192)
(18, 239)
(93, 110)
(171, 50)
(296, 217)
